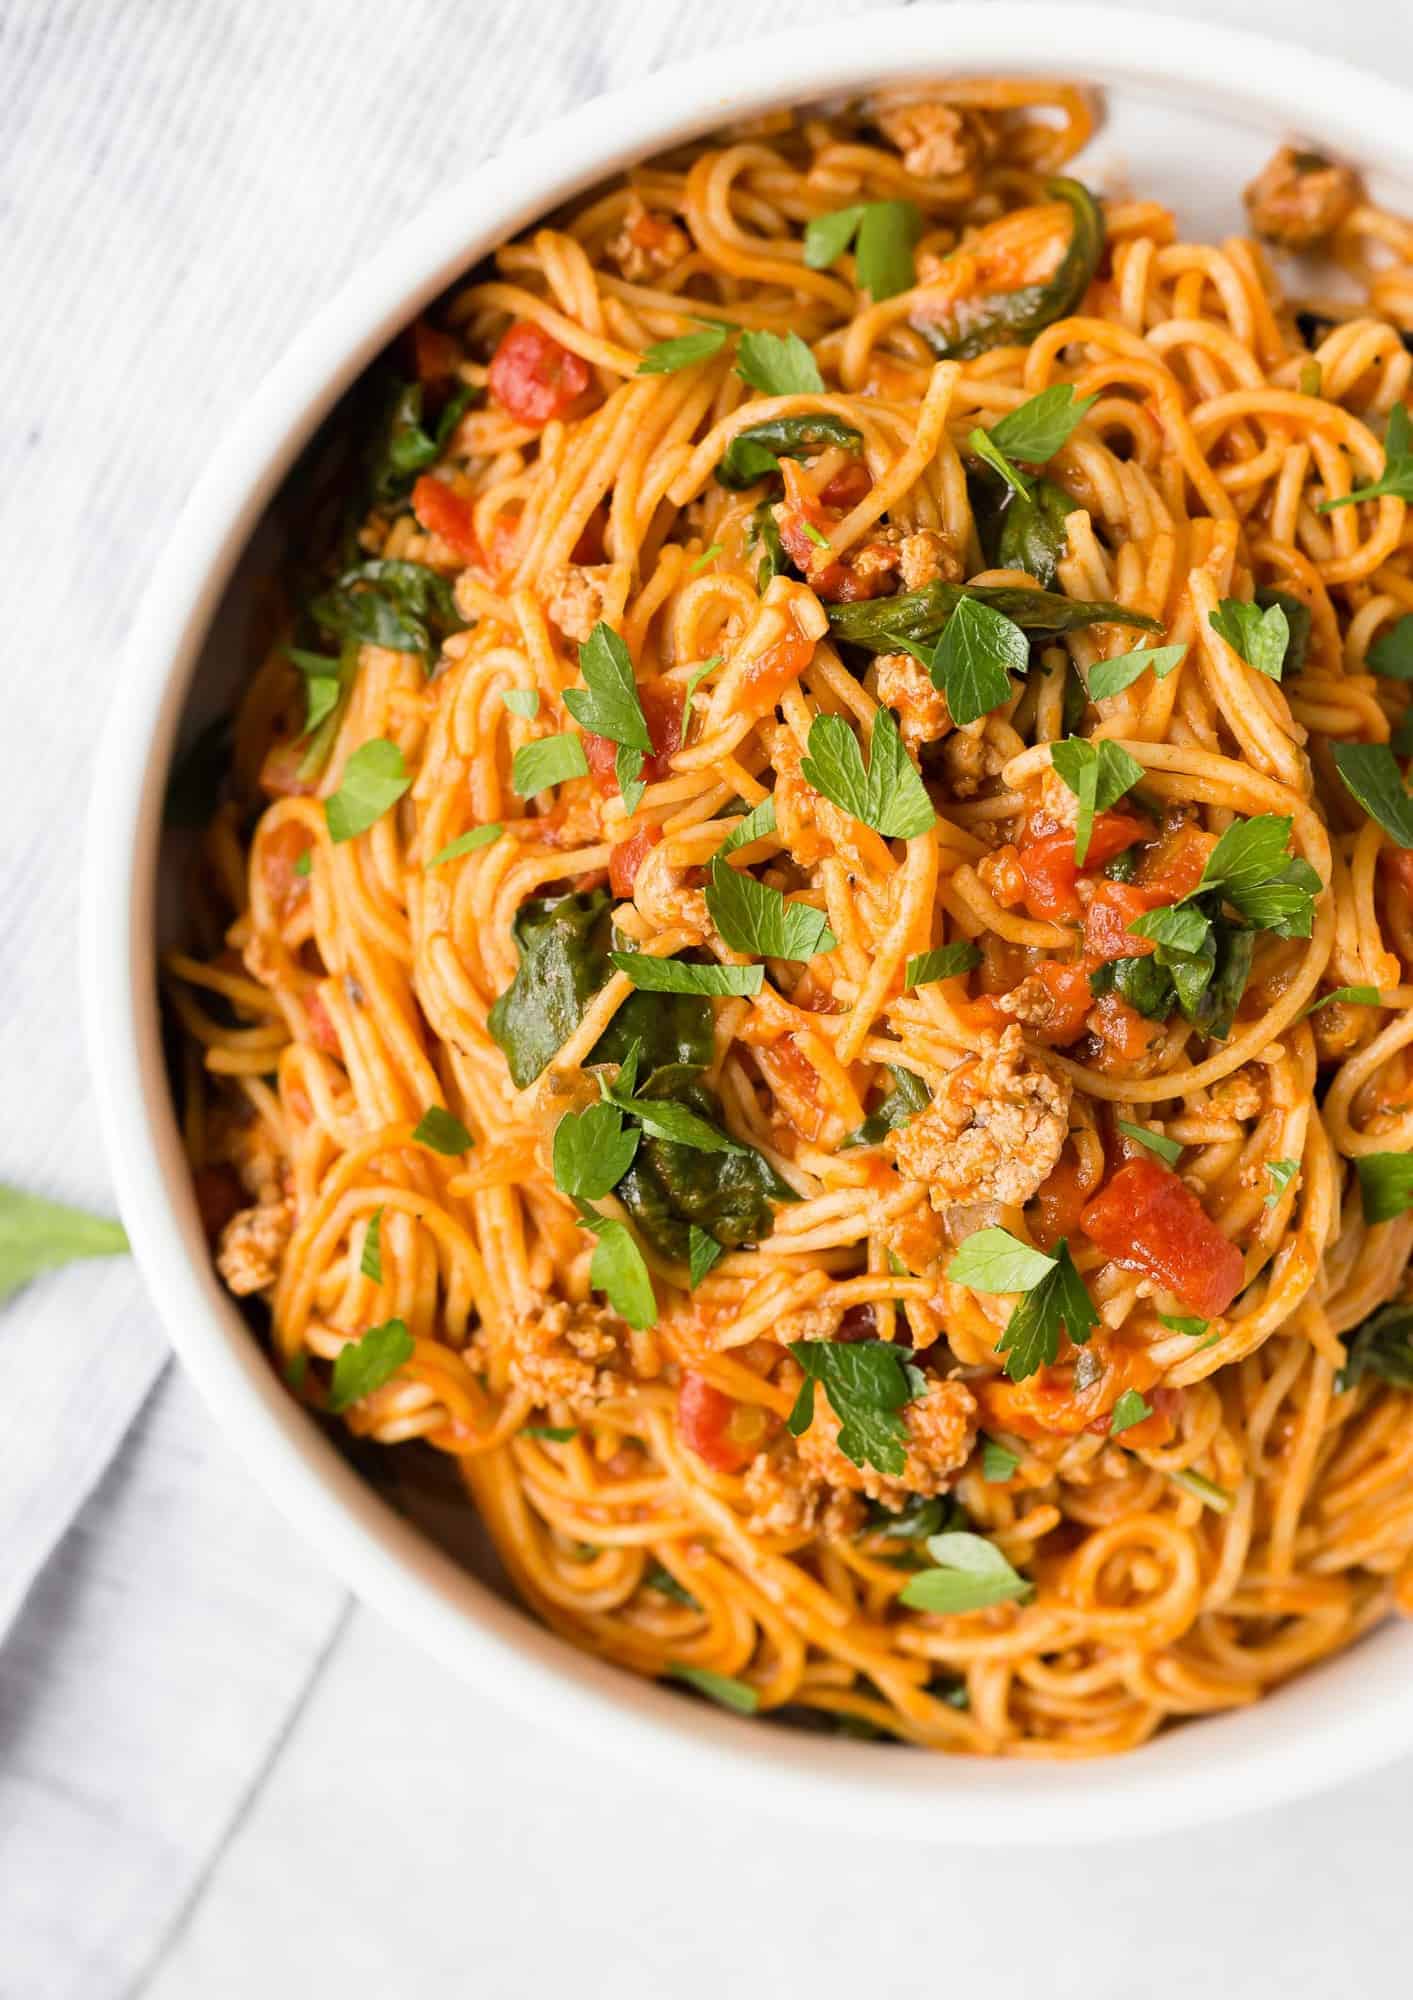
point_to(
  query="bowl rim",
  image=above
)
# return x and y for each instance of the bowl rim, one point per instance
(387, 1563)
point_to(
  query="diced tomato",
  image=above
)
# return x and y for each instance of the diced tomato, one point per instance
(322, 1031)
(434, 354)
(442, 511)
(1047, 864)
(833, 581)
(848, 485)
(1112, 833)
(279, 772)
(765, 679)
(589, 547)
(1112, 908)
(1174, 867)
(279, 851)
(532, 377)
(724, 1433)
(218, 1196)
(1121, 1028)
(806, 514)
(1048, 871)
(662, 710)
(1069, 989)
(625, 859)
(1059, 1199)
(1147, 1220)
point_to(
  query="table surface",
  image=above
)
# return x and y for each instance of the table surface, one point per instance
(217, 1776)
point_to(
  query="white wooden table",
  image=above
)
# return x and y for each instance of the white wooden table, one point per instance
(217, 1778)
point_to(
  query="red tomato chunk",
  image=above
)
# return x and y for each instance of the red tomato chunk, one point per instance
(1147, 1220)
(532, 377)
(440, 510)
(722, 1432)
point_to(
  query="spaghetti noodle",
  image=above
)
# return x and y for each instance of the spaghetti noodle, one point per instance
(920, 617)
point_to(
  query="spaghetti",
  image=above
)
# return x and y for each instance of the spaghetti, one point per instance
(794, 967)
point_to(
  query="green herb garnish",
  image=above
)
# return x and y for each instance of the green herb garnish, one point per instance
(675, 975)
(467, 843)
(887, 794)
(374, 779)
(370, 1262)
(1169, 1151)
(1098, 774)
(720, 1688)
(1372, 777)
(778, 365)
(442, 1132)
(549, 760)
(1110, 677)
(868, 1386)
(1129, 1410)
(947, 961)
(755, 919)
(1397, 476)
(665, 357)
(971, 1574)
(1055, 1301)
(361, 1366)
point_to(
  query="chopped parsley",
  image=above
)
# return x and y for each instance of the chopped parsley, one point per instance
(443, 1132)
(1282, 1173)
(1372, 776)
(998, 1462)
(947, 961)
(868, 1383)
(608, 704)
(1397, 476)
(374, 779)
(467, 843)
(755, 919)
(1129, 1410)
(675, 975)
(665, 357)
(883, 232)
(1110, 677)
(971, 1574)
(1098, 774)
(361, 1366)
(1260, 637)
(593, 1150)
(778, 365)
(549, 760)
(370, 1261)
(887, 794)
(1054, 1301)
(1169, 1151)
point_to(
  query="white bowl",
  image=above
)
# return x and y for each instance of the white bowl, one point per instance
(1192, 112)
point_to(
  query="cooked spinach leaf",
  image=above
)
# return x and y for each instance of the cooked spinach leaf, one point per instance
(909, 1095)
(670, 1187)
(1016, 317)
(917, 617)
(565, 944)
(758, 449)
(401, 605)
